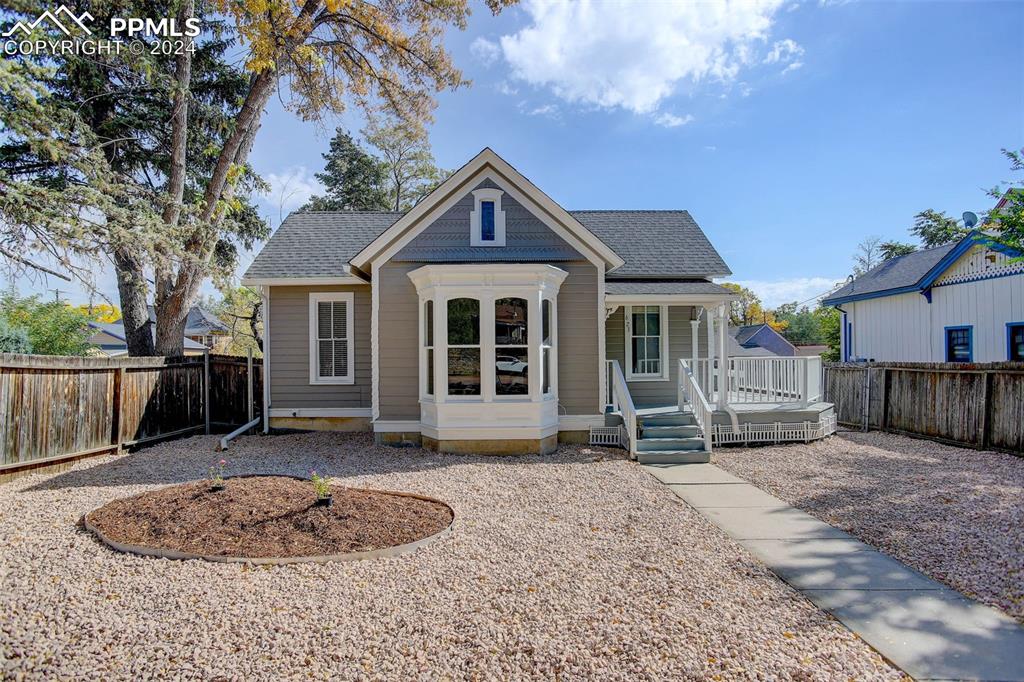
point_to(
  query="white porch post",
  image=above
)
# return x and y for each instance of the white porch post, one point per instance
(695, 341)
(723, 359)
(709, 370)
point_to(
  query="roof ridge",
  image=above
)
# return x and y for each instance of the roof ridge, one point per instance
(629, 210)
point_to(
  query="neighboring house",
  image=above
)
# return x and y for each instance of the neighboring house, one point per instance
(961, 302)
(811, 349)
(203, 327)
(108, 339)
(489, 319)
(761, 339)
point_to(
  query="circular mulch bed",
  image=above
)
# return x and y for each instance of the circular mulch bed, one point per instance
(269, 519)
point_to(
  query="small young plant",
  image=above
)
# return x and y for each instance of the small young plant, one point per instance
(320, 485)
(217, 474)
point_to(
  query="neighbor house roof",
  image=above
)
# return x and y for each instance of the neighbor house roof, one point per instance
(199, 322)
(652, 287)
(743, 334)
(116, 330)
(896, 275)
(763, 337)
(653, 244)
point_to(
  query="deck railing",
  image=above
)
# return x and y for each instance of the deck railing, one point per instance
(622, 402)
(764, 379)
(689, 393)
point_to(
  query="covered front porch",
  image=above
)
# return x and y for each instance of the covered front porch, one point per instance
(678, 384)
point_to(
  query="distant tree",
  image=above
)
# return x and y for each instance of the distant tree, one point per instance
(53, 328)
(241, 309)
(14, 339)
(103, 312)
(935, 228)
(749, 310)
(1007, 218)
(828, 324)
(895, 249)
(802, 325)
(354, 180)
(867, 255)
(404, 149)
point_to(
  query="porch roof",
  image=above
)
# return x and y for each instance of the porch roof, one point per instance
(661, 288)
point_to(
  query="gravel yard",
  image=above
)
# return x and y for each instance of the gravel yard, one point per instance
(578, 565)
(956, 515)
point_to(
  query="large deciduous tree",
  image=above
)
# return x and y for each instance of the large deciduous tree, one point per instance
(1005, 222)
(408, 161)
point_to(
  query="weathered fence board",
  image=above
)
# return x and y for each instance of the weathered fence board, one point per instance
(981, 405)
(55, 408)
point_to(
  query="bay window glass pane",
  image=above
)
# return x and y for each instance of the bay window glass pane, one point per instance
(510, 328)
(546, 368)
(463, 371)
(510, 371)
(464, 322)
(487, 221)
(430, 371)
(545, 317)
(428, 320)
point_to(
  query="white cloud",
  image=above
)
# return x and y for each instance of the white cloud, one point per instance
(547, 110)
(633, 55)
(776, 292)
(486, 51)
(710, 148)
(289, 190)
(786, 52)
(671, 120)
(505, 88)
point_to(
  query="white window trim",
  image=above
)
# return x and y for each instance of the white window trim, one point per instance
(314, 365)
(475, 236)
(553, 346)
(627, 348)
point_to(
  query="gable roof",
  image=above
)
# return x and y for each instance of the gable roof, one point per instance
(655, 243)
(116, 330)
(487, 164)
(198, 322)
(744, 333)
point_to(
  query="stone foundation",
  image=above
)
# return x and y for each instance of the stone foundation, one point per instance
(321, 423)
(397, 438)
(574, 437)
(525, 446)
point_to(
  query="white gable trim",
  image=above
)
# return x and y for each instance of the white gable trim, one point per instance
(487, 165)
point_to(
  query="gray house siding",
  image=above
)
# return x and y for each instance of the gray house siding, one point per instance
(447, 239)
(398, 337)
(289, 349)
(648, 393)
(578, 343)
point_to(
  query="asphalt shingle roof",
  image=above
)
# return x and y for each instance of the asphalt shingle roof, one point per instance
(653, 243)
(665, 288)
(895, 273)
(744, 333)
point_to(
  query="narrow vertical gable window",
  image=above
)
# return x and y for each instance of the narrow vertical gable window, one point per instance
(487, 219)
(331, 343)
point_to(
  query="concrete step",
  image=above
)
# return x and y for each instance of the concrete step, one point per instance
(675, 419)
(651, 444)
(674, 457)
(670, 431)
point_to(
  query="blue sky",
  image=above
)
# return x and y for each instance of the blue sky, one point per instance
(789, 131)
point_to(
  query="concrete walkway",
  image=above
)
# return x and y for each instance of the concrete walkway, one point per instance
(925, 628)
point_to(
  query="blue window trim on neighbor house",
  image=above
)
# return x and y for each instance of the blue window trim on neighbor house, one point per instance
(1009, 340)
(970, 341)
(487, 221)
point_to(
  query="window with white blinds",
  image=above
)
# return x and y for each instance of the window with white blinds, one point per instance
(331, 347)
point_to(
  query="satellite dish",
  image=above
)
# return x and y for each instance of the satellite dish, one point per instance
(970, 219)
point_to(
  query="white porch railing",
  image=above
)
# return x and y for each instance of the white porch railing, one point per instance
(764, 379)
(689, 393)
(622, 403)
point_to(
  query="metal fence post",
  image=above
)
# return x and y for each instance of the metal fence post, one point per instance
(206, 390)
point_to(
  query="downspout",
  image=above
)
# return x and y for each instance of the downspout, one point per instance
(265, 295)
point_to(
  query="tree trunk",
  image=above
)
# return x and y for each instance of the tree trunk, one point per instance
(254, 321)
(131, 285)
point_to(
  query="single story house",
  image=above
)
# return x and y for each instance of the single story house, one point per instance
(960, 302)
(489, 319)
(762, 339)
(108, 339)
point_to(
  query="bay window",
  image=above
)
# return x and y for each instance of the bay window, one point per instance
(511, 352)
(463, 346)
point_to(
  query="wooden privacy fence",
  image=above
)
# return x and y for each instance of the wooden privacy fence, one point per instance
(59, 408)
(980, 405)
